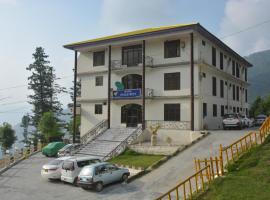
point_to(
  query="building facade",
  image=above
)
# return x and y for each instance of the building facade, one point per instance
(181, 77)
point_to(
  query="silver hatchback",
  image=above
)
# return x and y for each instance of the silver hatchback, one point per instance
(100, 174)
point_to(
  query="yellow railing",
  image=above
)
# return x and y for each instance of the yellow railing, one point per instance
(187, 188)
(10, 159)
(214, 166)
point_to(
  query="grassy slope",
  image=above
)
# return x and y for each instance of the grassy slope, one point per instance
(132, 158)
(249, 178)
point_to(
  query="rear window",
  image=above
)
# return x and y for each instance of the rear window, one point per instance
(87, 162)
(230, 116)
(88, 171)
(55, 162)
(68, 165)
(66, 147)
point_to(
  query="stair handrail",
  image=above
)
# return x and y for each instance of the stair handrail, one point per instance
(122, 146)
(95, 131)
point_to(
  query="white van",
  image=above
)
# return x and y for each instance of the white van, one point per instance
(72, 167)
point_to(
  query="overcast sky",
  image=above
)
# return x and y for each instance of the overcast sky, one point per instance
(26, 24)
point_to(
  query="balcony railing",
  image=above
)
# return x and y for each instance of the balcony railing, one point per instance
(173, 125)
(131, 93)
(117, 64)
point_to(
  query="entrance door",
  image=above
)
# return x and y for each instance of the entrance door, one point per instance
(131, 114)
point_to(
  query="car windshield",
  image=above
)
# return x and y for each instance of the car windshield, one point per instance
(260, 117)
(87, 171)
(230, 116)
(68, 165)
(55, 162)
(66, 147)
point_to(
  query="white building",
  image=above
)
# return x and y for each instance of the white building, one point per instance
(181, 77)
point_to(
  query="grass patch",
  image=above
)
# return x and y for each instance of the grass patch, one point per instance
(132, 158)
(248, 178)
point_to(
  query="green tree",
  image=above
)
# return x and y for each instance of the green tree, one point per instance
(25, 125)
(49, 127)
(78, 123)
(257, 107)
(45, 89)
(7, 136)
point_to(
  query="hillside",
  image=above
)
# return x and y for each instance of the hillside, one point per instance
(258, 75)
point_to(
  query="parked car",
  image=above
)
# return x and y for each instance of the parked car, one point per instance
(72, 167)
(246, 121)
(52, 149)
(100, 174)
(69, 150)
(232, 120)
(260, 119)
(52, 170)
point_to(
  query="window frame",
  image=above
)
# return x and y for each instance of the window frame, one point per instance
(167, 49)
(214, 56)
(215, 110)
(172, 107)
(214, 86)
(221, 63)
(172, 81)
(221, 88)
(204, 110)
(99, 80)
(128, 55)
(96, 61)
(98, 109)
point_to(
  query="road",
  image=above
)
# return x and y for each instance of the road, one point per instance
(23, 181)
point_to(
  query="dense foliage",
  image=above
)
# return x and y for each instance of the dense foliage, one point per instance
(7, 136)
(260, 106)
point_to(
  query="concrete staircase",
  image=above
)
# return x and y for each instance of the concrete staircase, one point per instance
(107, 142)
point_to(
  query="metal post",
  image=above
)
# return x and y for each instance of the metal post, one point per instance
(74, 97)
(192, 81)
(143, 86)
(109, 88)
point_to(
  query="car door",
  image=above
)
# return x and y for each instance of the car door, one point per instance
(115, 173)
(104, 174)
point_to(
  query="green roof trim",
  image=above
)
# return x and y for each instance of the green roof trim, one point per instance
(131, 33)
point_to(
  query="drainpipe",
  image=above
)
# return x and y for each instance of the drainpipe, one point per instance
(192, 82)
(109, 89)
(74, 96)
(143, 86)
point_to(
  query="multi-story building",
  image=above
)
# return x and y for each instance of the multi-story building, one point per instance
(180, 77)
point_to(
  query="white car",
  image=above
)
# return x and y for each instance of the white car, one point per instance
(72, 167)
(232, 121)
(52, 170)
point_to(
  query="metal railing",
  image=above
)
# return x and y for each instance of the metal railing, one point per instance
(123, 145)
(117, 64)
(95, 131)
(174, 125)
(9, 159)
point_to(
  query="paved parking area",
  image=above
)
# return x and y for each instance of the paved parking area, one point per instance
(23, 181)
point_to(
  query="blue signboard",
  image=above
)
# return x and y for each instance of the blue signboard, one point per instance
(128, 93)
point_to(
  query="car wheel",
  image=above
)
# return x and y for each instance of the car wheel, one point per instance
(85, 188)
(99, 186)
(75, 182)
(125, 178)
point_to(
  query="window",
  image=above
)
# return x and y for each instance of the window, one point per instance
(213, 56)
(221, 88)
(237, 70)
(171, 112)
(233, 68)
(214, 110)
(172, 81)
(234, 110)
(203, 43)
(233, 92)
(204, 109)
(246, 111)
(246, 96)
(98, 109)
(245, 74)
(99, 58)
(214, 86)
(132, 55)
(237, 109)
(221, 60)
(99, 80)
(172, 49)
(237, 93)
(221, 110)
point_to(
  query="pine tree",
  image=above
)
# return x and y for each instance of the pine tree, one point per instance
(25, 125)
(45, 89)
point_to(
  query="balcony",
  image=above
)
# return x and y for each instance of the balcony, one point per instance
(117, 64)
(132, 93)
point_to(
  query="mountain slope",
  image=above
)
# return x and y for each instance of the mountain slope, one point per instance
(259, 74)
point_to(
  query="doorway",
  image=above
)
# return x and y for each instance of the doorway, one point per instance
(131, 114)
